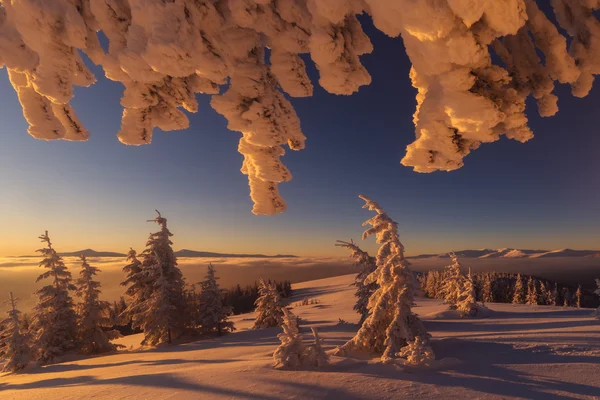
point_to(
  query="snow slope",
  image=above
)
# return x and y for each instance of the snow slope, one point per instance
(533, 352)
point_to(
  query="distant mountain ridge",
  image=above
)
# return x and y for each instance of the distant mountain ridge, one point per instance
(180, 253)
(194, 253)
(513, 253)
(87, 253)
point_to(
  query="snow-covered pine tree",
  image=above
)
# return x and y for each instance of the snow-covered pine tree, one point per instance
(554, 296)
(137, 283)
(363, 290)
(14, 346)
(268, 306)
(532, 292)
(566, 297)
(578, 297)
(192, 305)
(596, 313)
(430, 285)
(466, 303)
(158, 306)
(519, 291)
(453, 282)
(93, 314)
(487, 289)
(542, 293)
(314, 355)
(391, 323)
(291, 350)
(54, 324)
(214, 315)
(157, 314)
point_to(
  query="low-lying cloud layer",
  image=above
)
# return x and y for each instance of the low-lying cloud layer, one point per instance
(19, 274)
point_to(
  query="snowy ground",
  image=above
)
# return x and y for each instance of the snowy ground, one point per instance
(533, 352)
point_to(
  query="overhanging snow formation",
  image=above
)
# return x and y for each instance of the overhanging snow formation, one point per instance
(164, 52)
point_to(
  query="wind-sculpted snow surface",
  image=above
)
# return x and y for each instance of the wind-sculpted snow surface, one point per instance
(166, 52)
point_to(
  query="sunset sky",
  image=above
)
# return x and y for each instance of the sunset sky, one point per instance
(98, 194)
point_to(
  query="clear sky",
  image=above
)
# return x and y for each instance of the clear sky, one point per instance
(98, 194)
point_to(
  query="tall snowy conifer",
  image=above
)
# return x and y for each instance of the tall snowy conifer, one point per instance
(363, 290)
(554, 296)
(213, 313)
(138, 286)
(488, 293)
(54, 322)
(466, 303)
(566, 297)
(453, 282)
(519, 292)
(532, 292)
(268, 306)
(391, 323)
(159, 305)
(596, 313)
(93, 313)
(578, 297)
(14, 345)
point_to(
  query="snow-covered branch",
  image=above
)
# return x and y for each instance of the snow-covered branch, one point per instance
(164, 53)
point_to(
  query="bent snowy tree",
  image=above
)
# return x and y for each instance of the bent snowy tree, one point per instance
(391, 324)
(164, 52)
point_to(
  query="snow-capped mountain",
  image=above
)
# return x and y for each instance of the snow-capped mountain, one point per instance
(514, 253)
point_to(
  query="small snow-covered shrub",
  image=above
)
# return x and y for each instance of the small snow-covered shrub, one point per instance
(315, 356)
(417, 352)
(290, 352)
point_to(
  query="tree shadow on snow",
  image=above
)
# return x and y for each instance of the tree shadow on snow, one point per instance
(461, 326)
(482, 370)
(541, 313)
(160, 381)
(66, 367)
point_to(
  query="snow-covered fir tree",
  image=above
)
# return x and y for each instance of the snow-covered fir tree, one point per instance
(466, 303)
(532, 297)
(290, 352)
(596, 313)
(543, 293)
(214, 315)
(314, 355)
(363, 290)
(566, 297)
(391, 324)
(578, 297)
(192, 302)
(156, 315)
(268, 306)
(432, 284)
(158, 306)
(135, 281)
(487, 289)
(519, 291)
(54, 324)
(14, 343)
(453, 282)
(554, 296)
(93, 314)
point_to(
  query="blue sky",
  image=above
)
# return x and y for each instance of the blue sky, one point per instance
(541, 194)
